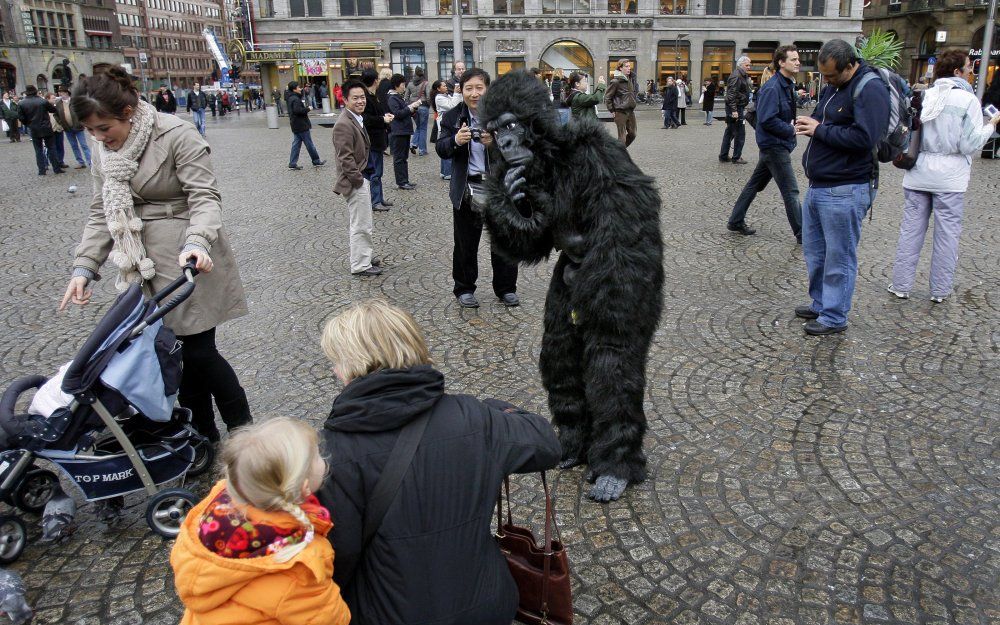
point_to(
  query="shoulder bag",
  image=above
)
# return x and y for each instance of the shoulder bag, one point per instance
(541, 574)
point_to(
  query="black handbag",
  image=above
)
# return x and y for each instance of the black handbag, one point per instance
(908, 159)
(434, 132)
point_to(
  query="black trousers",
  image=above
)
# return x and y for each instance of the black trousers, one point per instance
(208, 374)
(735, 135)
(49, 145)
(399, 145)
(468, 226)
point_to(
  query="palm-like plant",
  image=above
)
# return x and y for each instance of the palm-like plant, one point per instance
(880, 49)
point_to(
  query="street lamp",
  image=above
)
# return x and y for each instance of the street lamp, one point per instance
(677, 54)
(482, 41)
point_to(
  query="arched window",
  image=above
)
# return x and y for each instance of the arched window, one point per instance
(568, 56)
(928, 45)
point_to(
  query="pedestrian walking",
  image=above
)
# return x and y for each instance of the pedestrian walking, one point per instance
(419, 91)
(213, 99)
(58, 138)
(165, 101)
(445, 99)
(197, 101)
(153, 210)
(708, 91)
(9, 112)
(620, 101)
(669, 106)
(33, 114)
(839, 161)
(738, 88)
(298, 119)
(465, 141)
(433, 557)
(376, 121)
(776, 140)
(73, 130)
(225, 103)
(559, 94)
(255, 551)
(276, 99)
(682, 101)
(951, 131)
(582, 104)
(400, 131)
(351, 145)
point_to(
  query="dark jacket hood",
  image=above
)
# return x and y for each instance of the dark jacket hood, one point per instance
(386, 400)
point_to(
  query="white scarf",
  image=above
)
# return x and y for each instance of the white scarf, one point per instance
(119, 167)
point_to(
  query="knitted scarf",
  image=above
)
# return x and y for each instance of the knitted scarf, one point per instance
(119, 166)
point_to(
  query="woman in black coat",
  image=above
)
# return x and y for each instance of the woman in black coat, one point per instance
(433, 558)
(669, 106)
(708, 100)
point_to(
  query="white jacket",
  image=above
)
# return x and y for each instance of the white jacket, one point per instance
(444, 103)
(952, 131)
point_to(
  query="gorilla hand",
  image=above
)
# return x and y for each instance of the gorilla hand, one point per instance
(513, 181)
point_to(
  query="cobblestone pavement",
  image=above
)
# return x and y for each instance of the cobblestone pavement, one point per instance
(795, 480)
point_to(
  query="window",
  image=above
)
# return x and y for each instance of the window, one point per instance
(815, 8)
(673, 7)
(766, 7)
(315, 8)
(508, 65)
(721, 7)
(446, 7)
(54, 29)
(625, 7)
(297, 8)
(508, 7)
(355, 7)
(717, 60)
(406, 57)
(446, 58)
(845, 8)
(566, 7)
(673, 59)
(404, 7)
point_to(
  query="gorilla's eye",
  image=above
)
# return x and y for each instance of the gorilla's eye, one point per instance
(510, 126)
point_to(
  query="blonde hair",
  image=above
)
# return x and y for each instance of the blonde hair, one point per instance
(385, 74)
(766, 75)
(266, 465)
(373, 335)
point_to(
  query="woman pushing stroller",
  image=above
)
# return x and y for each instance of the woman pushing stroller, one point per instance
(156, 205)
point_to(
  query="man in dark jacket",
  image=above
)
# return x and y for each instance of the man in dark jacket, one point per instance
(737, 97)
(34, 114)
(776, 139)
(375, 123)
(298, 119)
(669, 105)
(463, 140)
(620, 101)
(197, 102)
(165, 101)
(433, 558)
(850, 119)
(400, 131)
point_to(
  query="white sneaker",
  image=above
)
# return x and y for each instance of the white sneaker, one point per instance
(898, 293)
(937, 299)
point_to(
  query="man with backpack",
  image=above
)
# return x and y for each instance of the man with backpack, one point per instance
(846, 127)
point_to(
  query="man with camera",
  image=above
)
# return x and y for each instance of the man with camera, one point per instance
(400, 131)
(463, 140)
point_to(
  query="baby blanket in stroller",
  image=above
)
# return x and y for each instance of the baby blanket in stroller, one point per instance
(50, 397)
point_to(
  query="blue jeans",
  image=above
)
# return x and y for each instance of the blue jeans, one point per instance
(198, 117)
(564, 114)
(831, 231)
(78, 141)
(708, 118)
(774, 163)
(298, 139)
(419, 139)
(669, 117)
(445, 166)
(373, 174)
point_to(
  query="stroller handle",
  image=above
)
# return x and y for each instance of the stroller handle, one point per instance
(186, 280)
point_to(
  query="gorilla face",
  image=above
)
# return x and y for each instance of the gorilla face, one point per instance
(510, 139)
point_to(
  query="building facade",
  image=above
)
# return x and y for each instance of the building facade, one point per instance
(164, 44)
(926, 26)
(697, 38)
(42, 40)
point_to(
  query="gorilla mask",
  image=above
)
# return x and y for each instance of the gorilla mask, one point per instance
(518, 111)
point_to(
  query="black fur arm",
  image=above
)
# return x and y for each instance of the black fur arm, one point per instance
(519, 229)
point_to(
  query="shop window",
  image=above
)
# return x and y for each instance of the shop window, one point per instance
(508, 65)
(673, 7)
(406, 58)
(446, 7)
(721, 7)
(569, 56)
(761, 55)
(446, 58)
(717, 61)
(813, 8)
(613, 66)
(508, 7)
(623, 7)
(673, 60)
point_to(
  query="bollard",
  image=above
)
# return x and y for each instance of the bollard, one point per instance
(326, 106)
(272, 116)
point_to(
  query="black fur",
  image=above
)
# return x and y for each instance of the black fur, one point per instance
(585, 198)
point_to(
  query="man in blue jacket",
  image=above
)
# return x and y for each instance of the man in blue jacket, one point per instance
(840, 163)
(776, 140)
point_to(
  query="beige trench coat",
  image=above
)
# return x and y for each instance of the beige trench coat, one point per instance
(177, 198)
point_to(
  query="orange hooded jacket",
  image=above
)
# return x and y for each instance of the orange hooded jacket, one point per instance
(256, 591)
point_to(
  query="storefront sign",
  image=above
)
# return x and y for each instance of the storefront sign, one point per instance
(622, 45)
(510, 46)
(561, 23)
(977, 53)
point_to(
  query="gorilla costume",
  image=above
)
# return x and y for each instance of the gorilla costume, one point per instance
(573, 188)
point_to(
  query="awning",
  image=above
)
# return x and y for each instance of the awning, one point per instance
(103, 33)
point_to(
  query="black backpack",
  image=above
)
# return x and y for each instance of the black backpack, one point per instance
(896, 139)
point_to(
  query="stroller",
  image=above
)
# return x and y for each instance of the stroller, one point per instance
(119, 432)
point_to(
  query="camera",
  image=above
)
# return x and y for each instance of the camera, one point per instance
(477, 133)
(990, 110)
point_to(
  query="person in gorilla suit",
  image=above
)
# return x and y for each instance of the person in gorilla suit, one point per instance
(575, 189)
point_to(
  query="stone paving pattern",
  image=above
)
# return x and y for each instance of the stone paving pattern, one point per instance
(794, 480)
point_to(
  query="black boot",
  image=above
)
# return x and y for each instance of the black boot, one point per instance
(235, 412)
(202, 415)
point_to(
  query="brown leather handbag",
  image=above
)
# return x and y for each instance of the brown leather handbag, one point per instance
(541, 573)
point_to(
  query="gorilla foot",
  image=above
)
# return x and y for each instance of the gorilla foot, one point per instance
(571, 461)
(607, 488)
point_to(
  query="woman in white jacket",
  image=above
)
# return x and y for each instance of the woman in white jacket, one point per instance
(952, 130)
(444, 102)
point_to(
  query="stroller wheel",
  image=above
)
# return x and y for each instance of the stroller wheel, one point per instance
(35, 490)
(204, 456)
(166, 510)
(13, 538)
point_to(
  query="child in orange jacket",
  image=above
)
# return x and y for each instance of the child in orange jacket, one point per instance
(255, 551)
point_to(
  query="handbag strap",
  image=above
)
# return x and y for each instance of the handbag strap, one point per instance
(392, 475)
